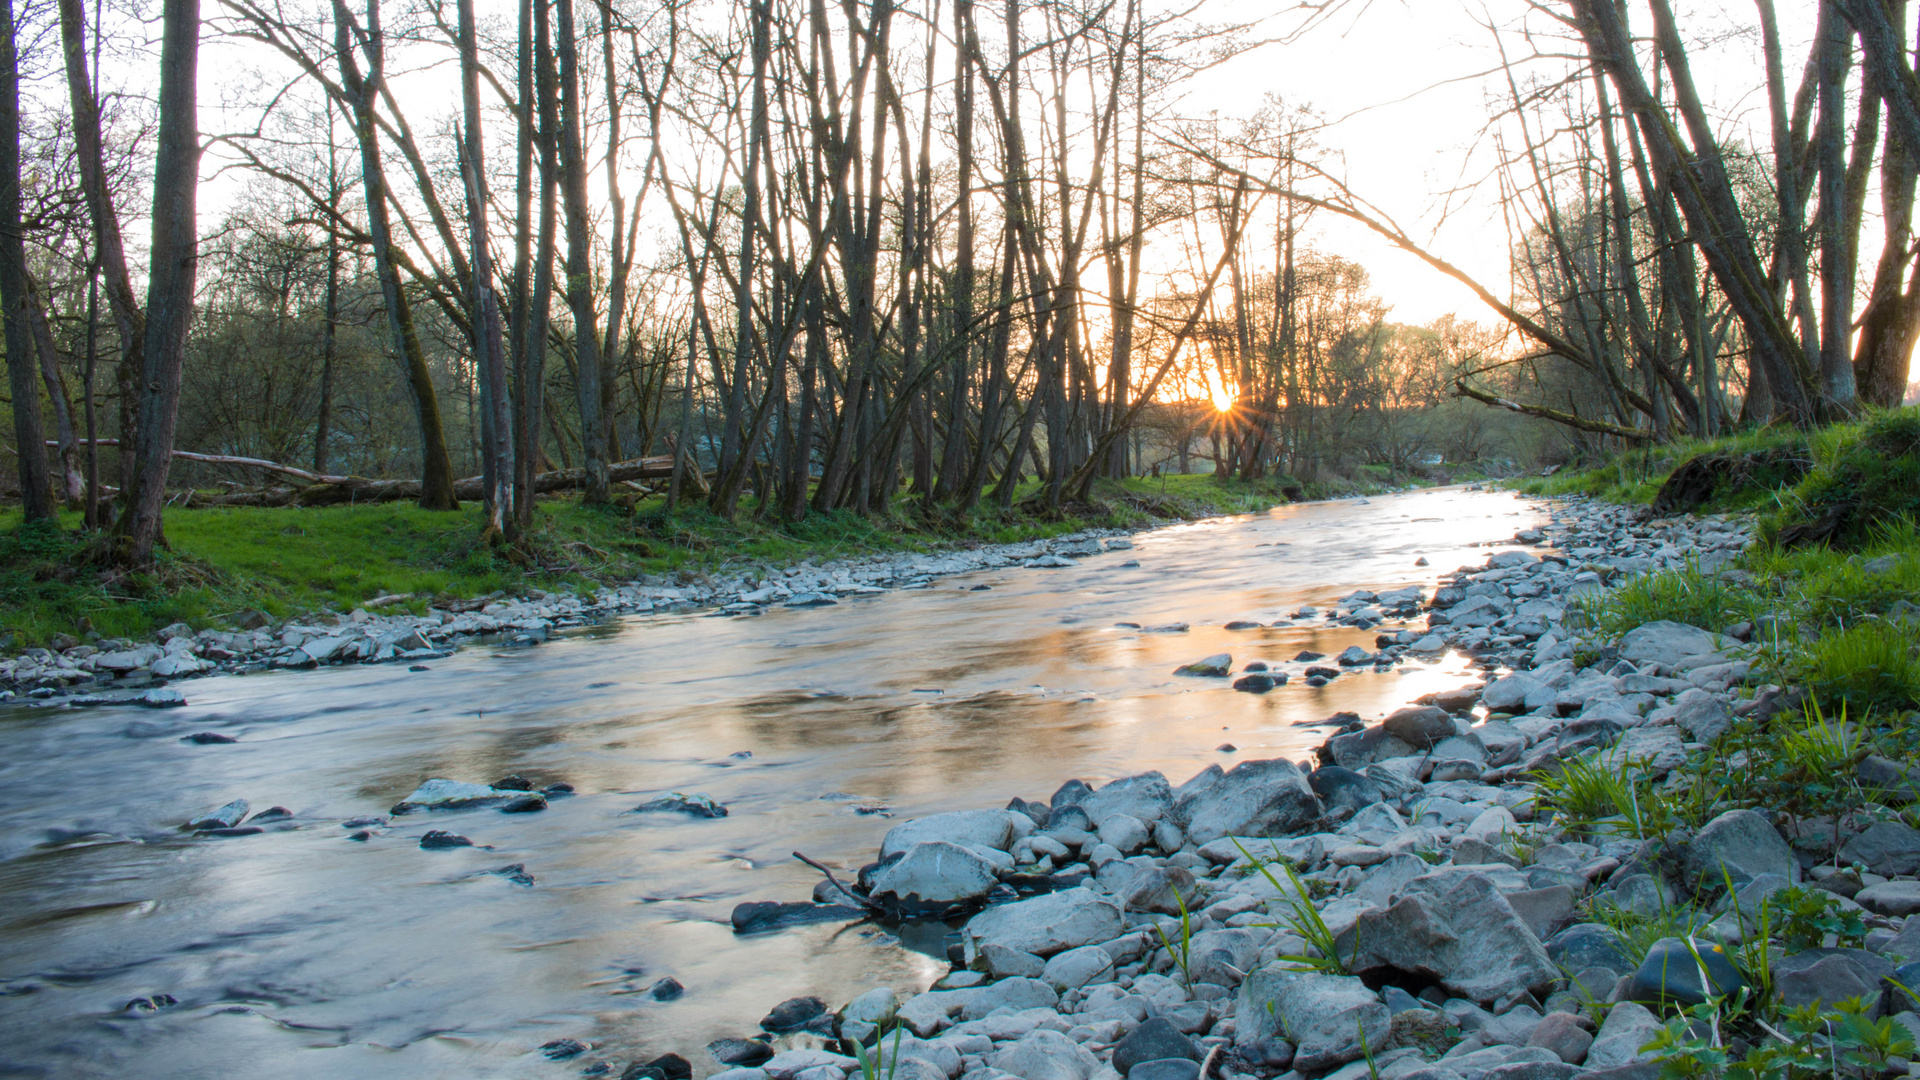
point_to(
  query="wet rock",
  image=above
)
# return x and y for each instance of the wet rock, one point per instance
(271, 813)
(739, 1052)
(513, 783)
(1045, 925)
(441, 794)
(1258, 683)
(757, 915)
(698, 804)
(440, 839)
(967, 828)
(1672, 972)
(151, 1003)
(208, 738)
(1741, 845)
(664, 1067)
(562, 1049)
(525, 804)
(1217, 665)
(1420, 726)
(793, 1014)
(224, 817)
(936, 873)
(1326, 1017)
(161, 698)
(1254, 798)
(1153, 1040)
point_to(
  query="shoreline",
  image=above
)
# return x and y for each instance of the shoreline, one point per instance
(1149, 931)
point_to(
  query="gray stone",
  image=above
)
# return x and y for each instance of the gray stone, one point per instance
(1009, 994)
(1359, 749)
(876, 1006)
(1165, 1069)
(1127, 834)
(1588, 945)
(1673, 968)
(1512, 1028)
(1703, 716)
(1153, 1040)
(1147, 797)
(1890, 898)
(1887, 848)
(1809, 977)
(223, 817)
(438, 794)
(1743, 844)
(1076, 968)
(1002, 963)
(1324, 1016)
(1164, 890)
(1666, 643)
(1533, 1070)
(1216, 665)
(1566, 1034)
(1342, 787)
(936, 872)
(1457, 929)
(1509, 695)
(1257, 798)
(1045, 1055)
(1420, 726)
(1045, 925)
(1544, 911)
(1629, 1026)
(968, 828)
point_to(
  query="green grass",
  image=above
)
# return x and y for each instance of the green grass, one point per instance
(289, 561)
(1686, 595)
(1634, 477)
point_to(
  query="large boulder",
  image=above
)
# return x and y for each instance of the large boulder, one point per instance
(1456, 929)
(1674, 968)
(1338, 786)
(1741, 845)
(1046, 925)
(1257, 798)
(1045, 1055)
(936, 872)
(1326, 1017)
(1667, 643)
(1147, 796)
(968, 828)
(1359, 749)
(1420, 726)
(1509, 695)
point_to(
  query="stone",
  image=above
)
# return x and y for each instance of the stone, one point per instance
(1703, 716)
(208, 738)
(1359, 749)
(1163, 890)
(1339, 787)
(223, 817)
(757, 915)
(1126, 833)
(1890, 898)
(440, 840)
(1743, 844)
(1216, 665)
(1002, 963)
(1147, 797)
(967, 828)
(1628, 1027)
(1566, 1034)
(1326, 1017)
(1667, 643)
(1588, 945)
(441, 794)
(1673, 968)
(1888, 848)
(1459, 930)
(1165, 1069)
(793, 1014)
(1045, 1055)
(1076, 968)
(1046, 925)
(1829, 978)
(936, 872)
(1509, 695)
(1420, 726)
(788, 1064)
(698, 805)
(1544, 911)
(1259, 682)
(1154, 1040)
(1255, 798)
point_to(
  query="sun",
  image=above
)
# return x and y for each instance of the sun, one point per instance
(1222, 398)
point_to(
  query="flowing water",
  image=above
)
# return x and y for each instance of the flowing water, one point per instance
(301, 953)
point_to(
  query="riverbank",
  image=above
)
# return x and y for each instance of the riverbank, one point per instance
(1670, 831)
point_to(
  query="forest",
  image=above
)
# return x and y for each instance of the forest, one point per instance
(786, 257)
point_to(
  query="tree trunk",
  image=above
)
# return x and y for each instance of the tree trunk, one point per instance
(170, 287)
(573, 164)
(22, 378)
(489, 350)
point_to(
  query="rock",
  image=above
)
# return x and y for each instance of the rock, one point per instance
(1896, 783)
(1154, 1040)
(1629, 1027)
(1002, 963)
(1045, 925)
(789, 1064)
(1743, 844)
(1672, 970)
(161, 698)
(1890, 898)
(439, 794)
(739, 1052)
(1567, 1035)
(1354, 656)
(876, 1006)
(664, 1067)
(208, 738)
(1666, 643)
(757, 915)
(967, 828)
(698, 804)
(936, 873)
(1829, 978)
(1076, 968)
(224, 817)
(440, 840)
(1358, 749)
(1324, 1016)
(1160, 890)
(1703, 716)
(1045, 1055)
(562, 1049)
(1509, 694)
(1454, 928)
(1888, 848)
(1342, 787)
(1543, 910)
(1216, 665)
(1420, 726)
(1127, 834)
(666, 989)
(1259, 682)
(1166, 1069)
(793, 1014)
(1255, 798)
(1588, 945)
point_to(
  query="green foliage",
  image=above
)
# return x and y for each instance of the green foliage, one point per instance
(1686, 595)
(1840, 1042)
(1608, 795)
(1801, 763)
(1635, 476)
(1866, 474)
(1804, 917)
(1298, 914)
(1181, 955)
(1869, 666)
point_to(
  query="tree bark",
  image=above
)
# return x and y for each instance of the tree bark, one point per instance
(22, 378)
(489, 350)
(586, 344)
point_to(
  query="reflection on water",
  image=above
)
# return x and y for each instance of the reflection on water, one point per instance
(303, 953)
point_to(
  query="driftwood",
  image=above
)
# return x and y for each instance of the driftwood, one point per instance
(321, 489)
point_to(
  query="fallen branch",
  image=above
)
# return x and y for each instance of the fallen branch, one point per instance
(858, 900)
(1599, 427)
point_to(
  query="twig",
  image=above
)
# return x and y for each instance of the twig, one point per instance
(858, 900)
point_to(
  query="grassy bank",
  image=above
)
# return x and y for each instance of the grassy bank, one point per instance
(288, 561)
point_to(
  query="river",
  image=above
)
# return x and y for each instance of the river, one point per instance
(302, 953)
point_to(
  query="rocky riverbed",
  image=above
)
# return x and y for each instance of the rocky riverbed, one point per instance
(105, 671)
(1143, 929)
